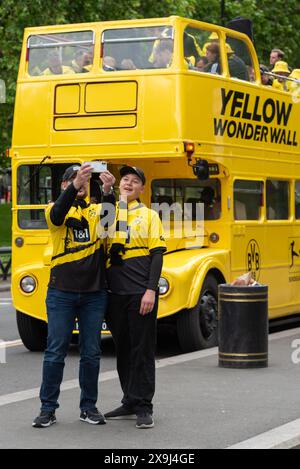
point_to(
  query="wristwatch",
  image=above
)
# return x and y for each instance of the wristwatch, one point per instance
(111, 191)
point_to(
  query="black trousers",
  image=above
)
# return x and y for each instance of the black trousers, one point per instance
(135, 340)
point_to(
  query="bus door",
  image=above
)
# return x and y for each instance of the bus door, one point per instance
(293, 247)
(258, 241)
(278, 234)
(248, 229)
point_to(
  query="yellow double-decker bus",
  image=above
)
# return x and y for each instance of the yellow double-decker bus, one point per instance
(183, 100)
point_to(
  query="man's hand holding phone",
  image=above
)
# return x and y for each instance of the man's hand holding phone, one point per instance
(83, 176)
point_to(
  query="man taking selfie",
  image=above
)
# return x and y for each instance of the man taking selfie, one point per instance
(77, 289)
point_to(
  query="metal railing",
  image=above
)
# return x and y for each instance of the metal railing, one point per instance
(5, 262)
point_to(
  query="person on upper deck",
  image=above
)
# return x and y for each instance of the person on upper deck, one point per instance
(201, 64)
(276, 55)
(213, 57)
(82, 61)
(237, 66)
(265, 79)
(109, 64)
(163, 54)
(282, 69)
(55, 66)
(295, 85)
(162, 57)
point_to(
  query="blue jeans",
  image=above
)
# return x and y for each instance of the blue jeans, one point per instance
(62, 310)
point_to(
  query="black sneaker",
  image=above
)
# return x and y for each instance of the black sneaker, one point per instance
(121, 413)
(45, 419)
(144, 420)
(94, 417)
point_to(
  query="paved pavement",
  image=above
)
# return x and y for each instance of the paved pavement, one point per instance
(4, 285)
(197, 404)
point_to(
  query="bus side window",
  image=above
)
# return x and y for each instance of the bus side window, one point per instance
(248, 200)
(137, 48)
(297, 200)
(277, 193)
(239, 58)
(60, 53)
(201, 50)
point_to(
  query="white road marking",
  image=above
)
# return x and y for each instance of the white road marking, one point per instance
(4, 304)
(11, 343)
(284, 437)
(284, 334)
(33, 393)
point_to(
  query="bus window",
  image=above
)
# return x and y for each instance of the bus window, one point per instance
(33, 185)
(239, 60)
(60, 53)
(297, 200)
(137, 48)
(37, 185)
(187, 193)
(32, 219)
(277, 193)
(248, 200)
(202, 50)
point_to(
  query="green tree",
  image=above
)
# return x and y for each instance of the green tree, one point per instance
(276, 25)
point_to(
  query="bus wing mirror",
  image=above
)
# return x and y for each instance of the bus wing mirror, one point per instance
(201, 170)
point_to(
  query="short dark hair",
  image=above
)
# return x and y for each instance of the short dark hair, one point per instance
(70, 173)
(213, 48)
(279, 52)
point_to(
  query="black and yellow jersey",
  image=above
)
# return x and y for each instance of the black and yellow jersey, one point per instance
(78, 260)
(144, 238)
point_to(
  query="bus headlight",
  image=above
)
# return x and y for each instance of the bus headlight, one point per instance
(163, 286)
(28, 284)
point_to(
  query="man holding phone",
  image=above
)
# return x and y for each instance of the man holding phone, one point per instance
(77, 289)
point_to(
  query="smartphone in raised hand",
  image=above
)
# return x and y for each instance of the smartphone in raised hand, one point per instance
(98, 166)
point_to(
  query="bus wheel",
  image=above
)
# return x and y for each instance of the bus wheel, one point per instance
(197, 328)
(33, 332)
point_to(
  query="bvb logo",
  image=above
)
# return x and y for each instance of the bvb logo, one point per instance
(253, 259)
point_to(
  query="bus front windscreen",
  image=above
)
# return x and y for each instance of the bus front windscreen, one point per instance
(37, 185)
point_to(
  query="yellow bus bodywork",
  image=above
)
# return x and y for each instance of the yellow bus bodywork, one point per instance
(143, 117)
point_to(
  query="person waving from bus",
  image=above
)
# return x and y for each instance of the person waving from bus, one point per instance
(77, 289)
(134, 268)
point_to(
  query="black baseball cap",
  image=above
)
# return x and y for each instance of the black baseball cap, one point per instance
(70, 172)
(133, 170)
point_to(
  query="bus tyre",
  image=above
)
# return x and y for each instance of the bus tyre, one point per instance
(197, 328)
(33, 332)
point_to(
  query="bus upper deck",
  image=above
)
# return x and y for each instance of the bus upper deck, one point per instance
(141, 88)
